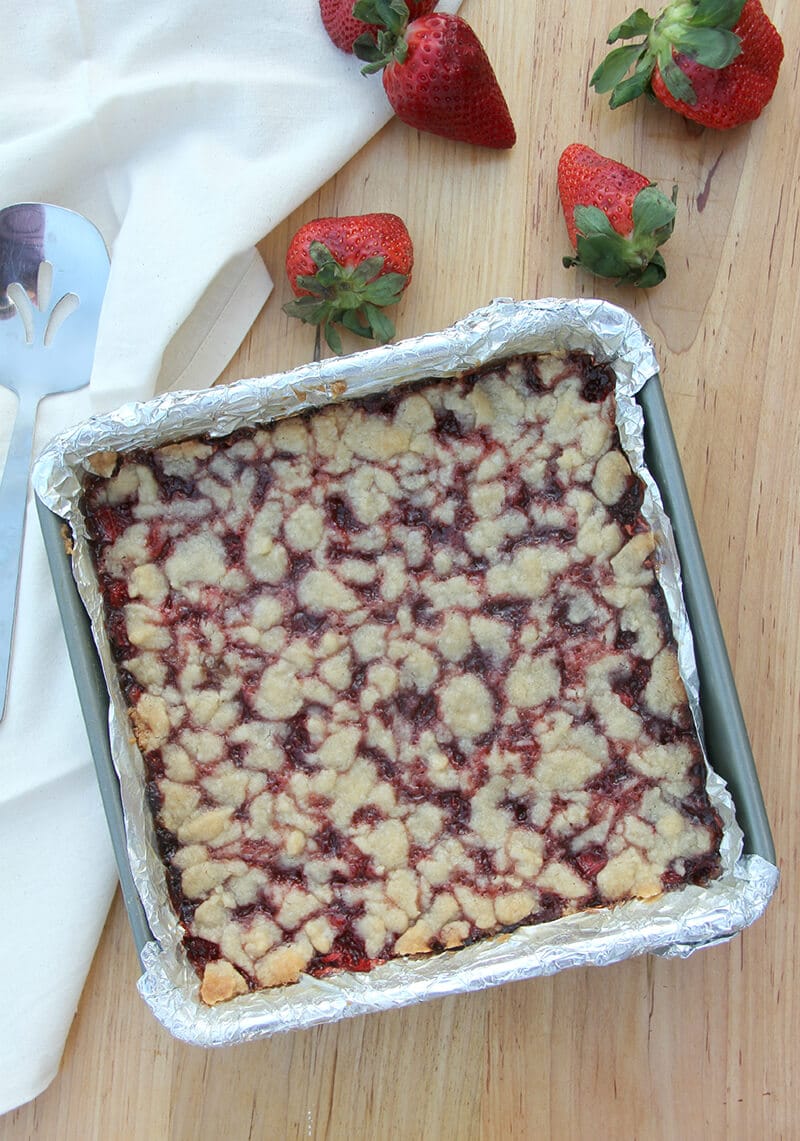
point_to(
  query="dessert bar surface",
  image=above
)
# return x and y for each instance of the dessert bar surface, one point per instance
(401, 673)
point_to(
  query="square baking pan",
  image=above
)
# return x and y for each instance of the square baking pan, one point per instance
(727, 744)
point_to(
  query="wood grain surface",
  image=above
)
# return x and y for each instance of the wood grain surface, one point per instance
(708, 1047)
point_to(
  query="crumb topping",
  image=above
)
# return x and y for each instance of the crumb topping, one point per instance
(401, 673)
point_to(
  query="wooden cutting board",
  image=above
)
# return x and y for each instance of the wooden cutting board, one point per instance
(709, 1047)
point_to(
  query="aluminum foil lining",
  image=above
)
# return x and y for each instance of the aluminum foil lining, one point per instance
(675, 925)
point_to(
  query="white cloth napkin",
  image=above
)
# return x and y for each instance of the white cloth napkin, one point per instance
(185, 131)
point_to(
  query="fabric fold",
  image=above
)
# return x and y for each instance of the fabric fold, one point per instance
(186, 135)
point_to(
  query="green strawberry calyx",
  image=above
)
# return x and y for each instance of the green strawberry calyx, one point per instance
(633, 259)
(700, 30)
(352, 296)
(389, 45)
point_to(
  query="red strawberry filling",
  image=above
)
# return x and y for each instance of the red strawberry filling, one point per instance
(401, 674)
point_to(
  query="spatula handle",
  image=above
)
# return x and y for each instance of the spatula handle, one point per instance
(13, 498)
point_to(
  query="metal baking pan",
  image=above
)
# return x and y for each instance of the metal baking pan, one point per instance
(94, 702)
(726, 738)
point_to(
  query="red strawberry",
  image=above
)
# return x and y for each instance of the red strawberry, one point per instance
(436, 74)
(343, 28)
(616, 219)
(713, 61)
(344, 271)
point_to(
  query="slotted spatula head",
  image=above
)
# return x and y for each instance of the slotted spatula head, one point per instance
(53, 274)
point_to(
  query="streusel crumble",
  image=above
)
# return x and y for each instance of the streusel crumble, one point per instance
(401, 673)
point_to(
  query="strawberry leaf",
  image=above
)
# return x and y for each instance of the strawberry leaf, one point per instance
(653, 274)
(716, 13)
(382, 328)
(591, 221)
(346, 301)
(332, 338)
(603, 256)
(311, 285)
(320, 254)
(386, 289)
(712, 47)
(676, 81)
(634, 86)
(637, 24)
(365, 271)
(365, 48)
(352, 321)
(309, 310)
(615, 66)
(654, 213)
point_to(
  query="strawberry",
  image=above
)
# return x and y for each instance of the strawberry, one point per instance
(616, 218)
(343, 28)
(713, 61)
(436, 74)
(344, 271)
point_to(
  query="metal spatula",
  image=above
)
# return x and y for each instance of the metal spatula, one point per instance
(53, 274)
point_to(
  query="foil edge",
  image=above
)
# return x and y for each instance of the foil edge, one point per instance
(503, 328)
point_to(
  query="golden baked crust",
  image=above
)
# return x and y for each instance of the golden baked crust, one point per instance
(401, 673)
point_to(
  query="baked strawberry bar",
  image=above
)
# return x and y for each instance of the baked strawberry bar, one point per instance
(401, 673)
